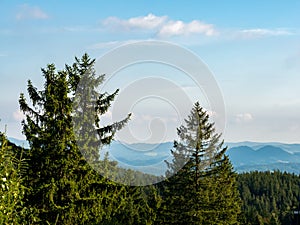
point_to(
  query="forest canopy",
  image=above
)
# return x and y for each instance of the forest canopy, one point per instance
(61, 178)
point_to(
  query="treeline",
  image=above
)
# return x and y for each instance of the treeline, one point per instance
(61, 178)
(269, 197)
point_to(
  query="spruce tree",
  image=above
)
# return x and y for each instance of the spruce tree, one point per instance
(224, 202)
(191, 194)
(88, 107)
(52, 153)
(64, 188)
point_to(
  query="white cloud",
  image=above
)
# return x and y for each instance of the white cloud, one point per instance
(243, 117)
(18, 115)
(146, 22)
(161, 25)
(258, 33)
(30, 12)
(175, 28)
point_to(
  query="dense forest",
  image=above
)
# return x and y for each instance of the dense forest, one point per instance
(269, 197)
(61, 178)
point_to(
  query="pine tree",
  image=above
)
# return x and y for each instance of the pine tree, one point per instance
(190, 196)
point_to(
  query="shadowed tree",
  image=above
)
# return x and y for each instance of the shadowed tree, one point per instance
(64, 187)
(192, 194)
(12, 191)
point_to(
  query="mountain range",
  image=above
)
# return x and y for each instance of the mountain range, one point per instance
(245, 156)
(265, 157)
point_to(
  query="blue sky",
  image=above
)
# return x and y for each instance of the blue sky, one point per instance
(252, 48)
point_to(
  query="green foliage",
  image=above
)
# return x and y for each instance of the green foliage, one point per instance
(12, 191)
(204, 190)
(64, 188)
(269, 197)
(88, 106)
(52, 154)
(57, 180)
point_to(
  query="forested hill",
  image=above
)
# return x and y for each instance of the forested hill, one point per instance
(63, 179)
(269, 197)
(266, 197)
(265, 157)
(245, 156)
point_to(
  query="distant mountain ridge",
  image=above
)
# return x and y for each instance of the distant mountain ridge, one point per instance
(268, 154)
(245, 156)
(256, 145)
(265, 157)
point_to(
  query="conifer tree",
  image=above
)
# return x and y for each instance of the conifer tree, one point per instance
(224, 202)
(52, 153)
(12, 191)
(88, 106)
(64, 187)
(192, 194)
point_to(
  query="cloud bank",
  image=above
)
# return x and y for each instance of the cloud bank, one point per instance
(162, 26)
(259, 33)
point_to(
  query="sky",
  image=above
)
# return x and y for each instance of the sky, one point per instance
(252, 48)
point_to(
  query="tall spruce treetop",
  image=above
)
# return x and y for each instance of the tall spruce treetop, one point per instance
(88, 107)
(64, 189)
(48, 129)
(198, 144)
(199, 165)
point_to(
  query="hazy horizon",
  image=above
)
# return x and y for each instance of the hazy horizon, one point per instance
(251, 47)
